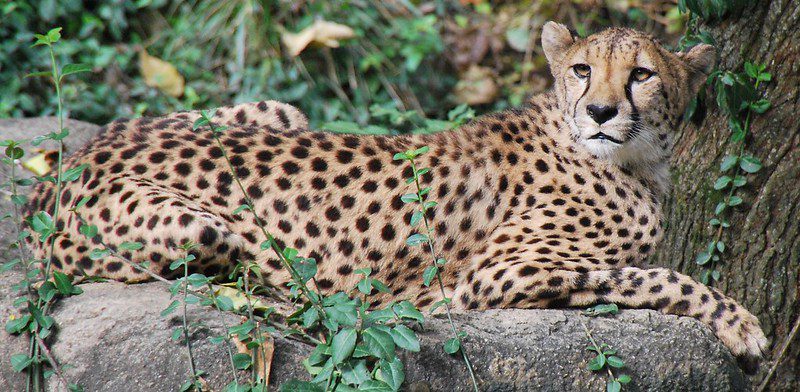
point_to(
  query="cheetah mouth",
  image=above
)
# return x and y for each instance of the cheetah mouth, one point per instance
(603, 136)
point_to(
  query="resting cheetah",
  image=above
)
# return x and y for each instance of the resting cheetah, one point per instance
(551, 205)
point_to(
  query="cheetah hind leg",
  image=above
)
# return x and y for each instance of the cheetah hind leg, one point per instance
(658, 288)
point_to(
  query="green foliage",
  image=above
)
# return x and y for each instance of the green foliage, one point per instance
(711, 9)
(738, 98)
(605, 358)
(420, 197)
(41, 286)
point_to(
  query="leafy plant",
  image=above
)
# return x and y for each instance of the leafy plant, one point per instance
(605, 357)
(426, 238)
(41, 284)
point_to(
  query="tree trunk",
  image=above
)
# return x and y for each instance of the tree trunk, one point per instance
(761, 267)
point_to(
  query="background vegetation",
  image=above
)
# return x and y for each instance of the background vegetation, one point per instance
(401, 55)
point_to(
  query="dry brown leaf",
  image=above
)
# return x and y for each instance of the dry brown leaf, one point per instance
(41, 163)
(160, 74)
(321, 32)
(263, 356)
(477, 86)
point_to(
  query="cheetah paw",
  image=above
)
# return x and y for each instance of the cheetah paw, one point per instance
(746, 341)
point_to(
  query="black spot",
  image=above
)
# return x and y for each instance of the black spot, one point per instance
(541, 166)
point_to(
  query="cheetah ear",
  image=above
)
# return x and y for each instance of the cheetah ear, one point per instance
(700, 61)
(556, 38)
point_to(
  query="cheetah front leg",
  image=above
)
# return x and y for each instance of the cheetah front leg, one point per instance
(539, 285)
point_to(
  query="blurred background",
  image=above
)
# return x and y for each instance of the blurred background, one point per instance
(397, 63)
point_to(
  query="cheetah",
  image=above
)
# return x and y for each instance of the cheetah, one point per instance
(555, 204)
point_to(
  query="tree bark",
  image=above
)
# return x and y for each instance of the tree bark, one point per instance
(761, 267)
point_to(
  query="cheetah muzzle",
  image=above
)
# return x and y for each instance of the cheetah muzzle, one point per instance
(550, 205)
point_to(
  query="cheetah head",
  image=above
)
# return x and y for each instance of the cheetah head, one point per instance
(621, 92)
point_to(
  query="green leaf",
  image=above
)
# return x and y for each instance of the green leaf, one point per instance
(624, 379)
(420, 151)
(615, 361)
(19, 200)
(202, 121)
(378, 285)
(391, 372)
(716, 275)
(54, 35)
(310, 317)
(750, 164)
(242, 330)
(47, 291)
(20, 362)
(613, 386)
(739, 181)
(416, 239)
(720, 208)
(82, 202)
(99, 254)
(720, 246)
(722, 182)
(406, 310)
(602, 309)
(429, 275)
(42, 223)
(452, 345)
(409, 198)
(760, 106)
(224, 304)
(734, 201)
(18, 324)
(379, 342)
(405, 338)
(343, 345)
(89, 231)
(705, 276)
(171, 308)
(74, 173)
(728, 162)
(240, 209)
(242, 361)
(365, 286)
(128, 245)
(70, 69)
(703, 258)
(751, 70)
(306, 268)
(375, 386)
(39, 75)
(400, 156)
(300, 386)
(597, 363)
(64, 284)
(354, 374)
(415, 218)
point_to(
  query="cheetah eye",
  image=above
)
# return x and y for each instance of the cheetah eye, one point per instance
(582, 70)
(641, 74)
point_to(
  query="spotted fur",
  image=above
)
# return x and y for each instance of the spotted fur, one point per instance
(534, 212)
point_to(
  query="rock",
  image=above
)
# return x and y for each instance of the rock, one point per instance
(114, 339)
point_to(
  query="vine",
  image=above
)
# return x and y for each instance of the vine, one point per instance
(739, 98)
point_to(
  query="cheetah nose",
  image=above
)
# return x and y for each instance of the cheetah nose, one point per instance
(601, 114)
